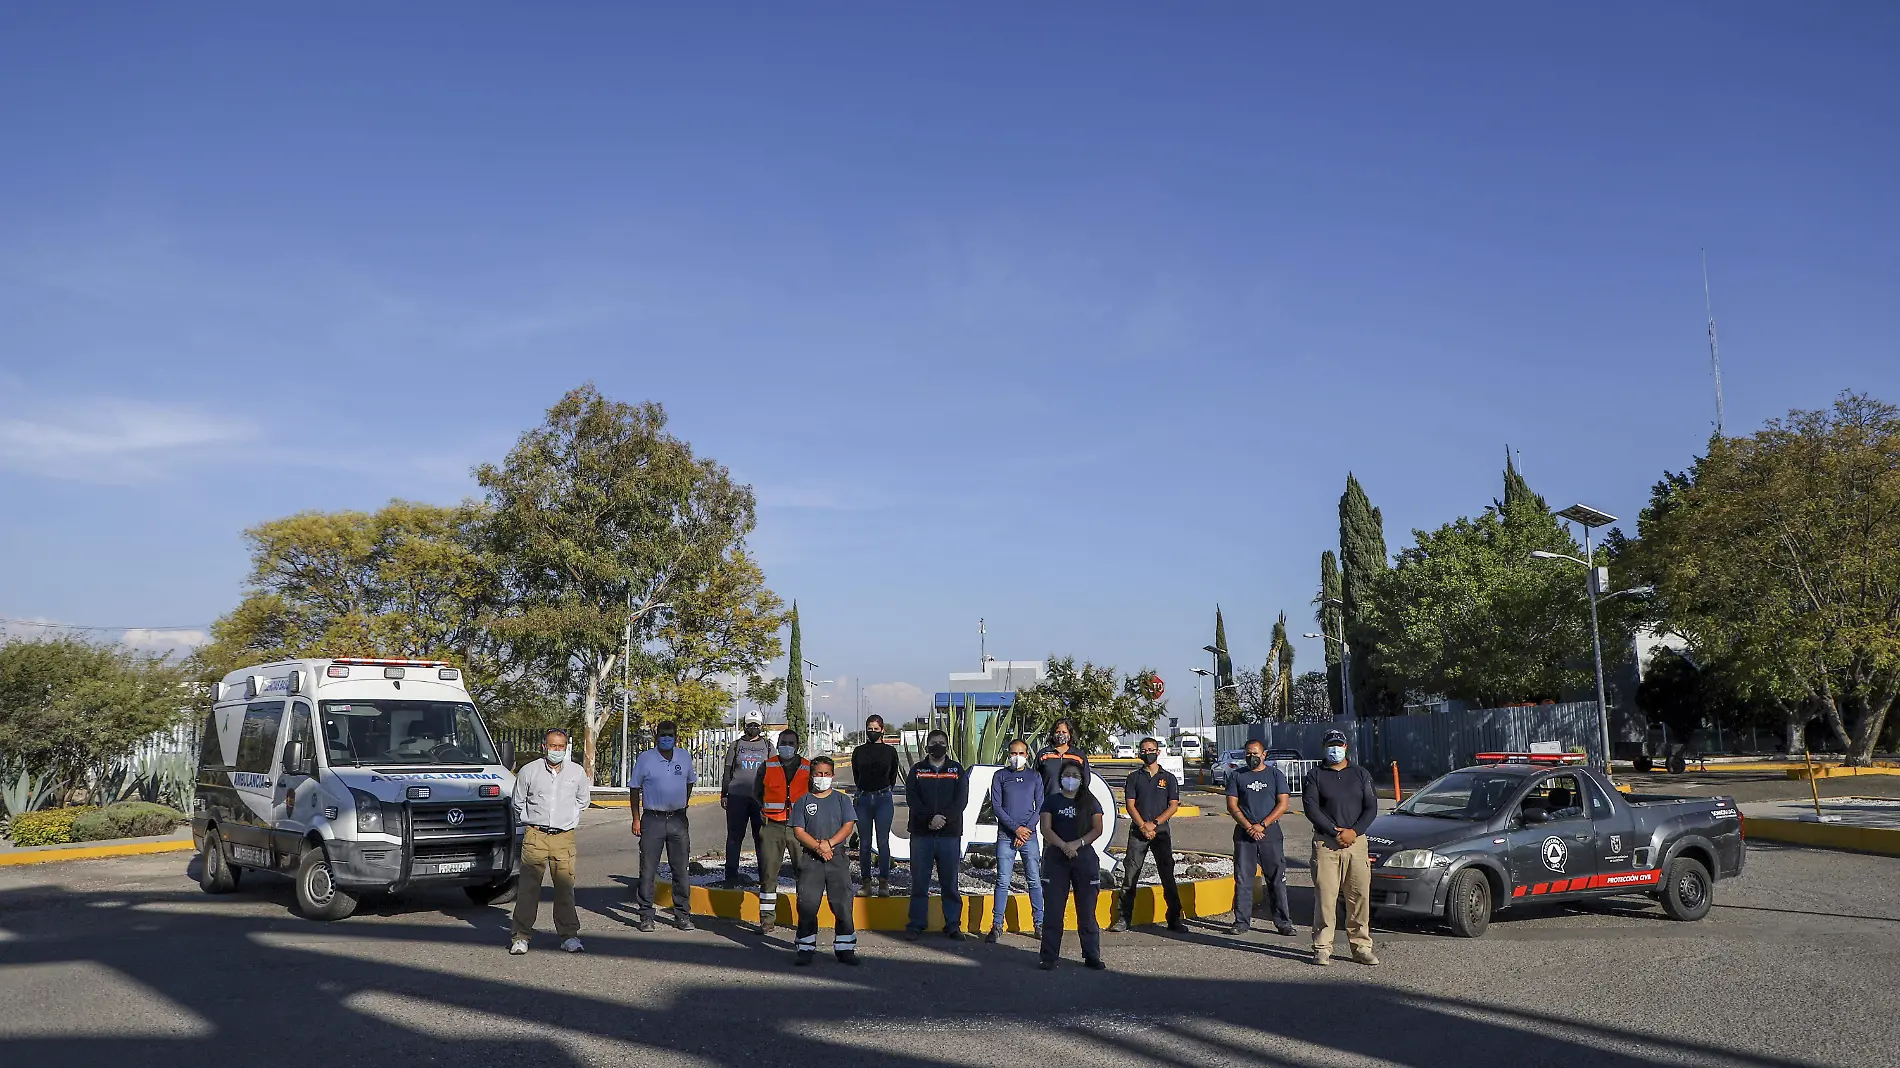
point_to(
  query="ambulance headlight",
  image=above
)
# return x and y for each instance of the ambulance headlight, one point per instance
(369, 812)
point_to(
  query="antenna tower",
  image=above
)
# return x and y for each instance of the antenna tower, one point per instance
(1715, 357)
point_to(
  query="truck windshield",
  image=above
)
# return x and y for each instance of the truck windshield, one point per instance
(405, 732)
(1463, 795)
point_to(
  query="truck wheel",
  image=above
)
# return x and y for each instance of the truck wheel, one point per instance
(1687, 889)
(318, 896)
(215, 873)
(1678, 764)
(1468, 903)
(1644, 764)
(500, 893)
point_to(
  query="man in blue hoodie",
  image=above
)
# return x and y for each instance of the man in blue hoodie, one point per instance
(1016, 798)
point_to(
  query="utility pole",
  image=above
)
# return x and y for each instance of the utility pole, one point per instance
(1715, 357)
(982, 645)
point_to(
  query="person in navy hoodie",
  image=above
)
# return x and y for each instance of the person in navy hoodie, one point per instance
(1016, 797)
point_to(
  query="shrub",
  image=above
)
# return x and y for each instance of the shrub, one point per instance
(129, 819)
(50, 826)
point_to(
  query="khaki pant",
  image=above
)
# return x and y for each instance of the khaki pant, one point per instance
(555, 853)
(1337, 870)
(779, 844)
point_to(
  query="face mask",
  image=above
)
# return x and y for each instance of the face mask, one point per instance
(937, 750)
(875, 736)
(556, 756)
(1149, 758)
(666, 741)
(787, 752)
(1070, 784)
(751, 730)
(1254, 761)
(821, 783)
(1018, 761)
(1062, 737)
(1335, 754)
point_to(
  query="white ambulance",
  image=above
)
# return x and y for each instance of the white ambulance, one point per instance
(353, 776)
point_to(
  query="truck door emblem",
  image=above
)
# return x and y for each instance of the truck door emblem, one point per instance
(1616, 843)
(1556, 853)
(455, 817)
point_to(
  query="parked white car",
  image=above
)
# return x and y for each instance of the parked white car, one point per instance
(1124, 751)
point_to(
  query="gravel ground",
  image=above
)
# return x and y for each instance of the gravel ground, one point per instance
(126, 962)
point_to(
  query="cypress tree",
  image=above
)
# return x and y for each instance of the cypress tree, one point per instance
(1226, 696)
(1363, 559)
(1283, 709)
(795, 683)
(1331, 624)
(1516, 490)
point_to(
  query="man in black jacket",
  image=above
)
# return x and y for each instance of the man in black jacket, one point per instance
(936, 791)
(1341, 806)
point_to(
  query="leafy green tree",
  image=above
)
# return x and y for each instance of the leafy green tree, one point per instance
(726, 627)
(1310, 699)
(1778, 556)
(601, 520)
(71, 709)
(1516, 490)
(795, 681)
(1226, 697)
(1090, 698)
(1362, 562)
(1330, 616)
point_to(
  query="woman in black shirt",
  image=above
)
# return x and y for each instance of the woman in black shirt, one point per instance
(1071, 822)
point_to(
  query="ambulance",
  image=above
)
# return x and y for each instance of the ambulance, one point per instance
(353, 776)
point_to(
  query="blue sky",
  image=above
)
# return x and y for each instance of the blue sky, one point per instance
(1073, 319)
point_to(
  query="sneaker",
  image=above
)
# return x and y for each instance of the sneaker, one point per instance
(1365, 956)
(1046, 965)
(883, 887)
(1118, 926)
(912, 934)
(1098, 964)
(646, 925)
(1240, 927)
(767, 923)
(804, 957)
(864, 888)
(1286, 930)
(572, 945)
(1035, 932)
(1177, 925)
(995, 933)
(684, 922)
(1322, 957)
(848, 956)
(518, 947)
(954, 934)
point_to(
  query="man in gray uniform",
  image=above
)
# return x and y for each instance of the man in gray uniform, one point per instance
(821, 821)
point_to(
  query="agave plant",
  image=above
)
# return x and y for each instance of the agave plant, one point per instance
(20, 794)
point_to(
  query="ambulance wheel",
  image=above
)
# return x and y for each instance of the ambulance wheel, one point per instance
(318, 896)
(500, 893)
(215, 873)
(1468, 903)
(1687, 890)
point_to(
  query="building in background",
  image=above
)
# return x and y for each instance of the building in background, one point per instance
(992, 691)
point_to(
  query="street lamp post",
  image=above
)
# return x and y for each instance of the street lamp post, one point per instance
(1200, 703)
(1345, 671)
(1589, 519)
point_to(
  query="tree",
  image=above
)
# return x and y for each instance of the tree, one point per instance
(795, 681)
(1779, 556)
(73, 709)
(1516, 490)
(1363, 561)
(728, 626)
(1329, 614)
(1311, 702)
(1284, 679)
(1226, 698)
(602, 520)
(1466, 613)
(1089, 698)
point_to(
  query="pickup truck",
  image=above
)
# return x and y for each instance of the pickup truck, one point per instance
(1509, 835)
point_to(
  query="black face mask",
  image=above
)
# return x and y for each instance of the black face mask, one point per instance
(1149, 758)
(874, 736)
(751, 730)
(1254, 762)
(937, 750)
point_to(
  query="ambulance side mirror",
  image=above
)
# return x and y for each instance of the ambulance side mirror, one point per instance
(296, 761)
(508, 755)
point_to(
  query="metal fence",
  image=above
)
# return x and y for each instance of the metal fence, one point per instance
(707, 747)
(1429, 744)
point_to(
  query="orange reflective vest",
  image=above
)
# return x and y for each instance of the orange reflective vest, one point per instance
(778, 795)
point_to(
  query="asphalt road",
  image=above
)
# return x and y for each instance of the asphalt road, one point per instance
(126, 962)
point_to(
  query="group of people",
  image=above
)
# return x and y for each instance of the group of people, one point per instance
(1047, 821)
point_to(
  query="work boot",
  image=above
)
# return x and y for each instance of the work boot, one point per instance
(1177, 925)
(848, 956)
(883, 886)
(1120, 925)
(1322, 957)
(804, 957)
(912, 934)
(954, 934)
(1286, 930)
(1365, 956)
(1240, 927)
(864, 888)
(684, 921)
(767, 921)
(1097, 964)
(1035, 932)
(646, 925)
(1046, 965)
(995, 933)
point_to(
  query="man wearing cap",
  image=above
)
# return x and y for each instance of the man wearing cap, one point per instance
(746, 756)
(660, 788)
(1341, 805)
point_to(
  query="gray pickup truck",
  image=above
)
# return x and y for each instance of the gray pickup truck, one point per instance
(1515, 834)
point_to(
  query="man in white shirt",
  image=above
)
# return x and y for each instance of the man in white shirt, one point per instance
(550, 795)
(661, 787)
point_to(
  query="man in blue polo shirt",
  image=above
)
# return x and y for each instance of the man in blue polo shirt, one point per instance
(1256, 799)
(659, 790)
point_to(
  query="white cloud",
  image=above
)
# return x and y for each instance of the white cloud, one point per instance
(178, 642)
(108, 439)
(897, 702)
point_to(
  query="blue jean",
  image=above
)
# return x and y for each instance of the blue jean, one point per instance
(1006, 853)
(943, 852)
(874, 814)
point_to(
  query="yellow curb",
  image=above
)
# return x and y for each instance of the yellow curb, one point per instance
(1828, 771)
(1881, 840)
(129, 849)
(1199, 897)
(696, 799)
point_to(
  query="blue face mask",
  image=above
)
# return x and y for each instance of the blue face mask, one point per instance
(666, 741)
(1335, 754)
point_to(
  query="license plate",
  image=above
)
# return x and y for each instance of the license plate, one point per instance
(451, 869)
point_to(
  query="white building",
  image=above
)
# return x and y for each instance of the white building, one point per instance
(1003, 676)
